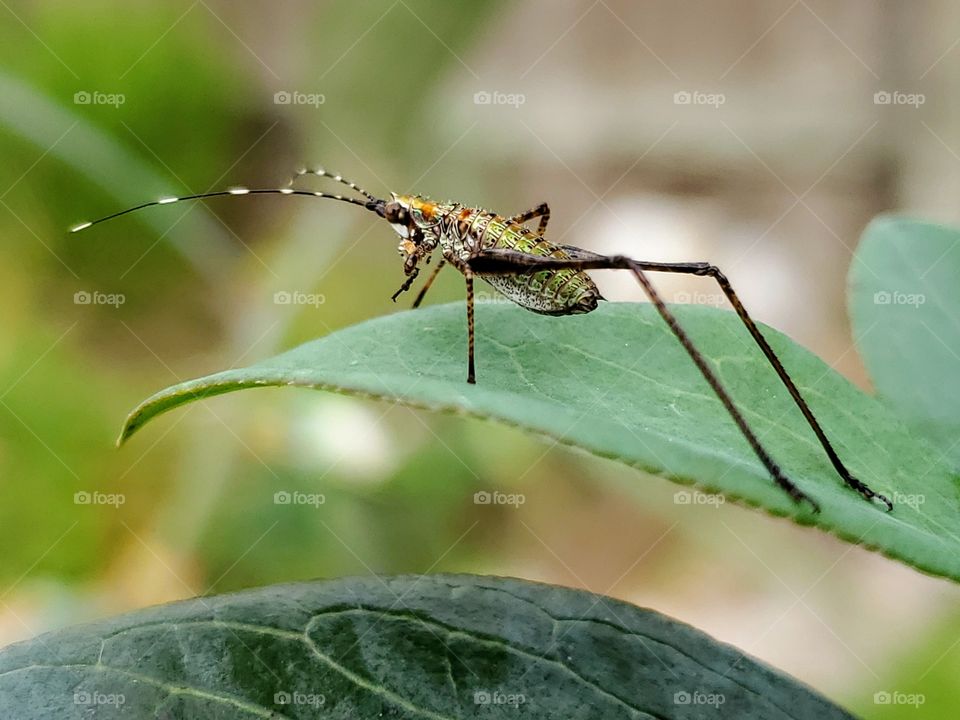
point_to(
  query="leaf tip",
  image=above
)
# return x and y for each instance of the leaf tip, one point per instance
(130, 426)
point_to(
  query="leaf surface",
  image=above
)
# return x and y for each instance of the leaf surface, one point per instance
(440, 647)
(905, 306)
(616, 383)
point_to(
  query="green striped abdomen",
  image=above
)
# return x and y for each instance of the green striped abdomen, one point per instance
(549, 292)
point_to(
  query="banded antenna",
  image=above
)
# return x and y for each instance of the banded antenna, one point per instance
(320, 172)
(370, 203)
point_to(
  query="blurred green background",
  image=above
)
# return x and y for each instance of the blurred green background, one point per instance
(743, 132)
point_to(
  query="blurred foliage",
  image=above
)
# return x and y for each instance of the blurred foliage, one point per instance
(904, 297)
(927, 674)
(193, 103)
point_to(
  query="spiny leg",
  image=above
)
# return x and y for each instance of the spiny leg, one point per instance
(512, 262)
(471, 373)
(708, 270)
(429, 282)
(541, 211)
(782, 480)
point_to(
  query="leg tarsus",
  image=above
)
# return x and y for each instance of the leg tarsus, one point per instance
(866, 492)
(795, 493)
(407, 284)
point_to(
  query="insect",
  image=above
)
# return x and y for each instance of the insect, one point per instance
(542, 277)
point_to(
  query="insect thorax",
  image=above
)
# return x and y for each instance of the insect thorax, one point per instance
(463, 232)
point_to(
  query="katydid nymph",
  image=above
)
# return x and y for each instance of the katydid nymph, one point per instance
(544, 278)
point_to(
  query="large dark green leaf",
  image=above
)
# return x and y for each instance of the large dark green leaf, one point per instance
(438, 647)
(905, 305)
(616, 383)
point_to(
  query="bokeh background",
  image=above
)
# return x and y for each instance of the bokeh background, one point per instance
(759, 134)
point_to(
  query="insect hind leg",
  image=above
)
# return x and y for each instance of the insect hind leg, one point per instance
(785, 483)
(503, 261)
(704, 269)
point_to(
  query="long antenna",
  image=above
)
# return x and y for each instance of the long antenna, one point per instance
(373, 204)
(320, 172)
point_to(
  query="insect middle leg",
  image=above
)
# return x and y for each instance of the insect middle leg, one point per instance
(541, 211)
(471, 372)
(429, 282)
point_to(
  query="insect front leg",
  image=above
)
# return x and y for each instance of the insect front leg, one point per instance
(407, 284)
(541, 211)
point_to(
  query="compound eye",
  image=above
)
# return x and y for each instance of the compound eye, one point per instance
(393, 212)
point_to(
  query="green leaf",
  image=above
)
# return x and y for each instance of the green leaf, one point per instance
(438, 647)
(616, 383)
(905, 305)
